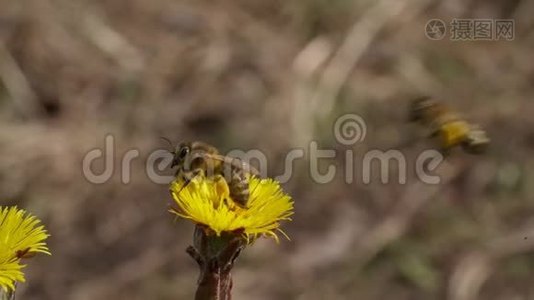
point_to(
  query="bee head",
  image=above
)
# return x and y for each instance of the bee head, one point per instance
(180, 154)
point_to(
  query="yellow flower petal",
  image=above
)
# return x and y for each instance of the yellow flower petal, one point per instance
(21, 235)
(21, 232)
(10, 272)
(206, 201)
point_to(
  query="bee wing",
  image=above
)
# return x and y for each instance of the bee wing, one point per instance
(236, 162)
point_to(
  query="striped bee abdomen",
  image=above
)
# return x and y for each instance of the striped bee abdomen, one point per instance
(238, 186)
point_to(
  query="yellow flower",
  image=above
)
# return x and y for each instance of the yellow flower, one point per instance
(21, 236)
(206, 201)
(10, 271)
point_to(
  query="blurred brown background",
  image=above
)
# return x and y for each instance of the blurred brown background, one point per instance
(269, 75)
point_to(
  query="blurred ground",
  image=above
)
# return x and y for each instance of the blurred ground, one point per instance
(269, 75)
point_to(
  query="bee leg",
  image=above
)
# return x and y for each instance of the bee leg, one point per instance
(238, 186)
(434, 133)
(188, 176)
(445, 152)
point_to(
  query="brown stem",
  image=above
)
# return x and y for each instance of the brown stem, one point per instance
(215, 256)
(214, 284)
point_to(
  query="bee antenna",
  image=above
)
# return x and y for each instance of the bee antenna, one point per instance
(168, 141)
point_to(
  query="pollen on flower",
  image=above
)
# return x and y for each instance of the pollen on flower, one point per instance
(21, 236)
(207, 201)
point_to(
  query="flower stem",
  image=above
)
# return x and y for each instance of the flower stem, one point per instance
(7, 295)
(215, 256)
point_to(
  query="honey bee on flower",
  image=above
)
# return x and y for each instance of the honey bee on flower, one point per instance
(207, 201)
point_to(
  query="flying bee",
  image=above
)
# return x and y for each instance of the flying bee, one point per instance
(448, 126)
(193, 159)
